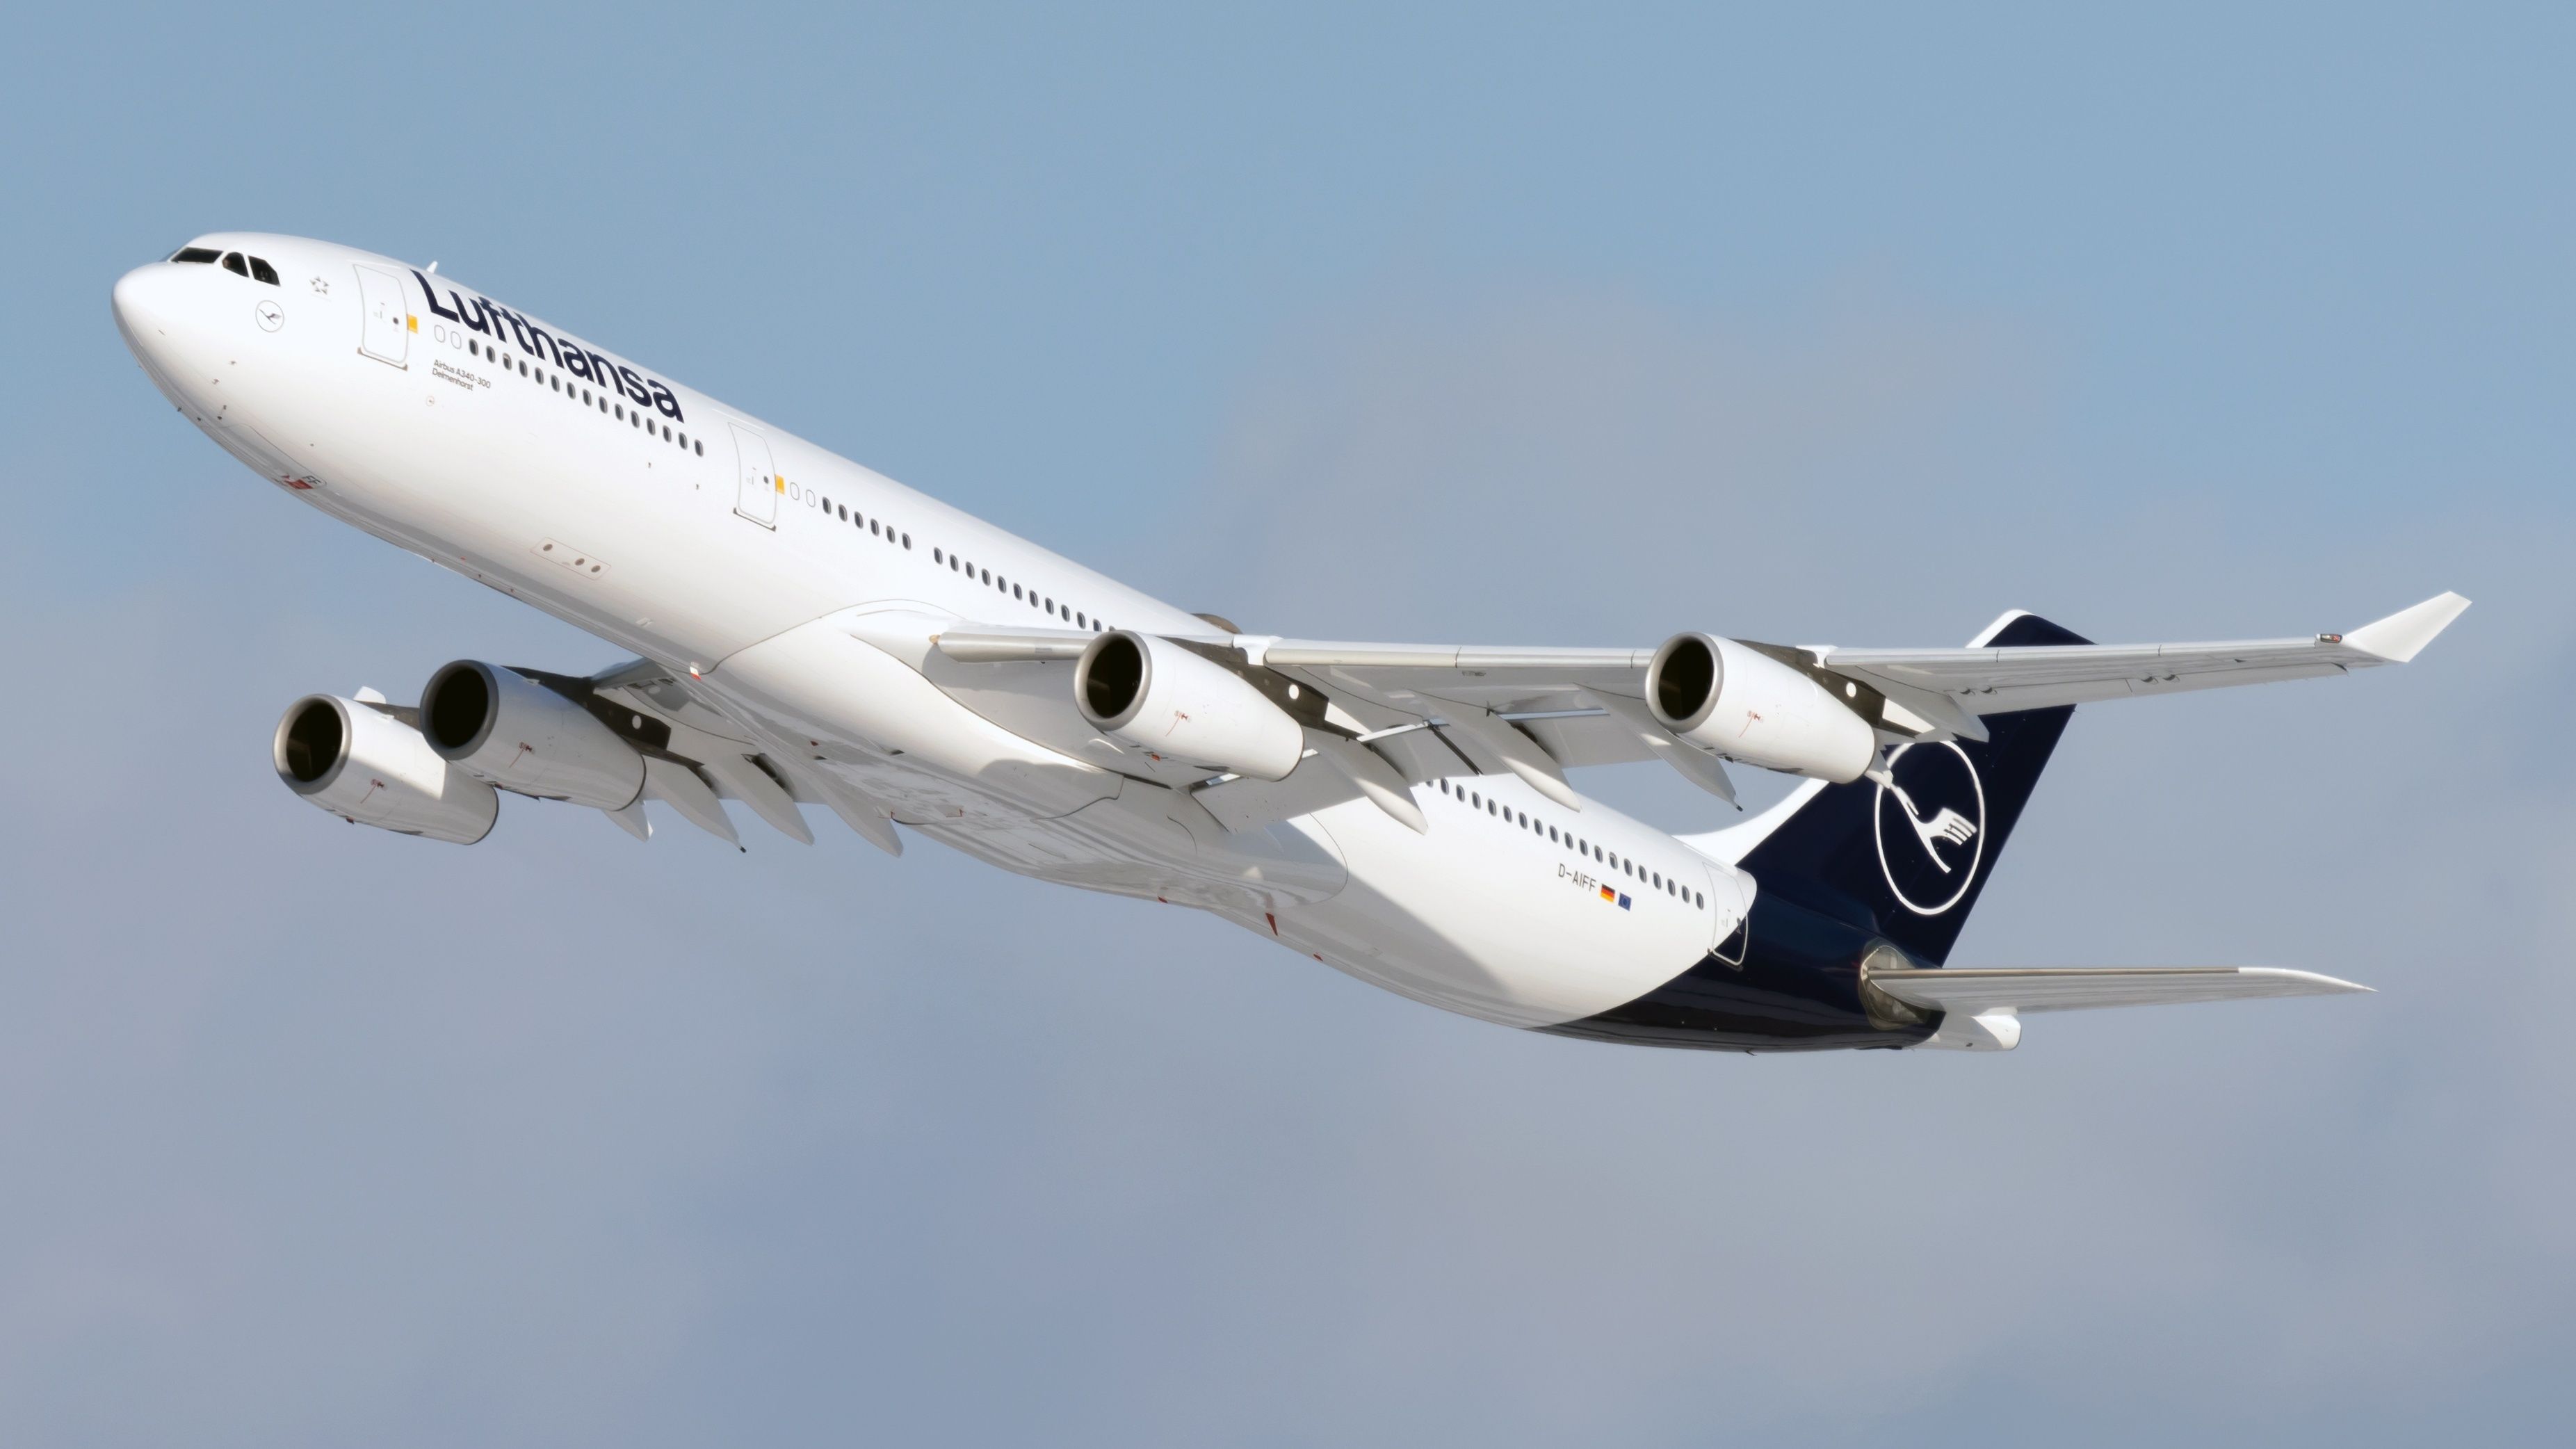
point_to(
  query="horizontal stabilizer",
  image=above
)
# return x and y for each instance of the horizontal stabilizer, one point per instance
(1977, 991)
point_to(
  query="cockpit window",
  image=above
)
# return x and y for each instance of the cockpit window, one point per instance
(261, 271)
(233, 264)
(193, 254)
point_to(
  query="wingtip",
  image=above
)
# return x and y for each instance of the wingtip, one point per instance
(2402, 635)
(2313, 983)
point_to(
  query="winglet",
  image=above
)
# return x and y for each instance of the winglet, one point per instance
(2402, 635)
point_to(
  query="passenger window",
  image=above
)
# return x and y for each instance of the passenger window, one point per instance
(261, 271)
(233, 264)
(907, 543)
(193, 254)
(701, 446)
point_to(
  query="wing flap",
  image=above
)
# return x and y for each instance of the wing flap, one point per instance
(1975, 991)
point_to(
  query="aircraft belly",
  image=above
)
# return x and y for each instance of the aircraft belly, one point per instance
(1129, 846)
(839, 696)
(1487, 926)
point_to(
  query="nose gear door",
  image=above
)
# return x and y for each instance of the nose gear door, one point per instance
(756, 485)
(385, 334)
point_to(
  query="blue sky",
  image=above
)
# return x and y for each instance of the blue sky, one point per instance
(1580, 327)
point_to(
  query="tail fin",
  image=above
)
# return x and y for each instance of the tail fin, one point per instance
(1908, 861)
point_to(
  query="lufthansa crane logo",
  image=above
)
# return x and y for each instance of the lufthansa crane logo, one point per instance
(1931, 826)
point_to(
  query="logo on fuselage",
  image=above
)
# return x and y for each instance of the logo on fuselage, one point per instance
(1931, 826)
(486, 316)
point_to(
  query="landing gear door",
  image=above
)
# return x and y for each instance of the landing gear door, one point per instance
(385, 334)
(756, 485)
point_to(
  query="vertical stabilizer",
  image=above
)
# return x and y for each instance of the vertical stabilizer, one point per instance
(1907, 858)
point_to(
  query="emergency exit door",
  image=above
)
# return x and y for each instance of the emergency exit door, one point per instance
(385, 335)
(756, 485)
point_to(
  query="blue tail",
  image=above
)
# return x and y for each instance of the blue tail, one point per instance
(1907, 862)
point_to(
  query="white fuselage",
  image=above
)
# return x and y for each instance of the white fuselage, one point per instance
(801, 590)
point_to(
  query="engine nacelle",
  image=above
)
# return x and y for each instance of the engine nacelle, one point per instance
(515, 732)
(372, 768)
(1158, 696)
(1737, 702)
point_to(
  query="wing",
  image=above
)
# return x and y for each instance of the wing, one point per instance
(696, 756)
(1436, 708)
(1998, 681)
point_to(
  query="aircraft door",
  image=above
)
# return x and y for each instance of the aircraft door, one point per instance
(385, 334)
(756, 485)
(1730, 899)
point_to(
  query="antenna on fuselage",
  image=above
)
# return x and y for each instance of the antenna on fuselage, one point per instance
(433, 270)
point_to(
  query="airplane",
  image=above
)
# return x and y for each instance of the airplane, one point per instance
(805, 631)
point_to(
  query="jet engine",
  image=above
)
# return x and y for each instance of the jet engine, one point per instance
(369, 767)
(509, 729)
(1737, 702)
(1162, 698)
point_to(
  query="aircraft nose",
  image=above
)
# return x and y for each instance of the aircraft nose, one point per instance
(145, 300)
